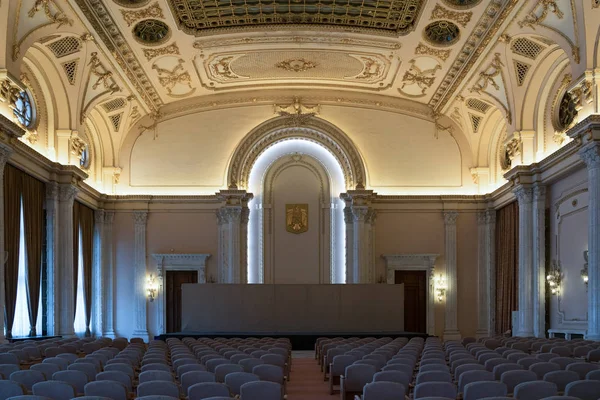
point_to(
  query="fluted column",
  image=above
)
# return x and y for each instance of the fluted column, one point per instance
(140, 219)
(108, 326)
(53, 276)
(349, 221)
(526, 272)
(5, 153)
(591, 155)
(67, 285)
(539, 261)
(490, 250)
(451, 331)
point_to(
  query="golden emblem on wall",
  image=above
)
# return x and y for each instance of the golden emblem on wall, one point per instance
(296, 218)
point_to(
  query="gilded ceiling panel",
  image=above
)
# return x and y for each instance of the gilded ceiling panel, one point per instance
(397, 17)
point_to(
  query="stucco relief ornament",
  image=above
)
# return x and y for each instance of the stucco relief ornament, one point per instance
(296, 218)
(486, 77)
(422, 78)
(547, 6)
(104, 77)
(296, 65)
(297, 114)
(56, 17)
(170, 78)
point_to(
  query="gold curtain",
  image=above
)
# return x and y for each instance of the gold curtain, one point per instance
(33, 214)
(507, 265)
(12, 232)
(75, 254)
(86, 220)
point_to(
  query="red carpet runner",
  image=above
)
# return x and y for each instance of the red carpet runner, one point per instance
(307, 381)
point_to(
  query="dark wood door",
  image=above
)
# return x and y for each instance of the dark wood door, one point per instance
(415, 299)
(173, 296)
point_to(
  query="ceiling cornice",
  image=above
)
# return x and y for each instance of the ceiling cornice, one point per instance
(98, 16)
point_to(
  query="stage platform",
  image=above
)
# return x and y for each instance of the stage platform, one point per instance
(300, 341)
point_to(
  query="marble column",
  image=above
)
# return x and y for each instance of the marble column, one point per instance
(524, 196)
(482, 277)
(140, 219)
(67, 284)
(362, 268)
(539, 261)
(490, 259)
(98, 286)
(451, 331)
(108, 326)
(5, 153)
(591, 156)
(53, 276)
(349, 221)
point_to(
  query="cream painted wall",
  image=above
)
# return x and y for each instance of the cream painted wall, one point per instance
(296, 256)
(123, 235)
(569, 238)
(466, 262)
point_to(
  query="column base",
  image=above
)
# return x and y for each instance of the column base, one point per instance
(109, 334)
(523, 334)
(142, 335)
(452, 335)
(595, 337)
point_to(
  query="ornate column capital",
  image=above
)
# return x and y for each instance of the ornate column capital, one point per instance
(51, 190)
(481, 217)
(360, 213)
(67, 193)
(524, 194)
(99, 217)
(140, 217)
(371, 216)
(539, 192)
(245, 216)
(591, 155)
(109, 217)
(490, 216)
(5, 153)
(234, 197)
(450, 217)
(348, 217)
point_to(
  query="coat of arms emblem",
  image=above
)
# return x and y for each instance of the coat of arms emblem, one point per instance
(296, 218)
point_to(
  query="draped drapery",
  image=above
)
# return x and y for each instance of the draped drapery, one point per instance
(507, 265)
(86, 222)
(75, 254)
(33, 216)
(12, 221)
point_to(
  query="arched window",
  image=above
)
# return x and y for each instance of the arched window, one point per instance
(85, 160)
(24, 109)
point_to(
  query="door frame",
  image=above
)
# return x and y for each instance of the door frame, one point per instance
(415, 262)
(175, 262)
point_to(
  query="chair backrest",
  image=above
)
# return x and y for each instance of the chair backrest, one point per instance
(484, 389)
(249, 363)
(563, 361)
(71, 358)
(156, 367)
(125, 368)
(435, 389)
(10, 388)
(61, 362)
(148, 376)
(512, 378)
(562, 351)
(585, 390)
(434, 376)
(116, 376)
(467, 367)
(261, 390)
(182, 369)
(594, 355)
(384, 391)
(212, 364)
(47, 369)
(271, 373)
(393, 376)
(27, 378)
(55, 390)
(29, 397)
(192, 377)
(357, 375)
(473, 376)
(206, 390)
(434, 367)
(224, 369)
(542, 368)
(535, 390)
(7, 369)
(162, 388)
(235, 380)
(582, 368)
(156, 397)
(593, 376)
(561, 378)
(110, 389)
(88, 369)
(502, 368)
(77, 379)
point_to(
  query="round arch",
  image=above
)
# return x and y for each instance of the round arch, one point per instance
(316, 130)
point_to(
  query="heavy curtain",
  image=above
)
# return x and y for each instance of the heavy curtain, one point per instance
(12, 233)
(507, 265)
(86, 221)
(75, 254)
(33, 215)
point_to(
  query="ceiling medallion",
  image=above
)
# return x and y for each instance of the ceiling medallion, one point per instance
(394, 17)
(296, 65)
(442, 33)
(132, 3)
(462, 3)
(151, 32)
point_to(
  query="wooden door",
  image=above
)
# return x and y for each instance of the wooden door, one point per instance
(173, 296)
(415, 299)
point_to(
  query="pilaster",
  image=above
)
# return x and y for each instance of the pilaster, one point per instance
(67, 285)
(490, 260)
(349, 221)
(140, 219)
(482, 276)
(539, 261)
(524, 196)
(108, 328)
(52, 251)
(98, 286)
(591, 156)
(5, 152)
(451, 331)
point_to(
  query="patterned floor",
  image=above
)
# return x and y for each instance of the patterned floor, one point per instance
(306, 382)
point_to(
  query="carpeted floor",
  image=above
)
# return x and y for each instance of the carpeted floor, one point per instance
(306, 382)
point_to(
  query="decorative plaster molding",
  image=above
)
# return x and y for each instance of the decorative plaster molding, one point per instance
(171, 49)
(202, 44)
(153, 11)
(463, 18)
(422, 49)
(9, 129)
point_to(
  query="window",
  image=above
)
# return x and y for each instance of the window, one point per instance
(79, 324)
(84, 162)
(24, 110)
(21, 323)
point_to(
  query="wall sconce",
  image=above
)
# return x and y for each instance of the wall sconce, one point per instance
(440, 288)
(554, 278)
(584, 271)
(151, 288)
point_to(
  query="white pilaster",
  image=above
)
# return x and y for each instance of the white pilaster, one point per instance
(53, 276)
(362, 267)
(591, 155)
(5, 153)
(348, 219)
(490, 259)
(526, 273)
(108, 326)
(360, 235)
(98, 283)
(66, 284)
(140, 219)
(539, 261)
(451, 331)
